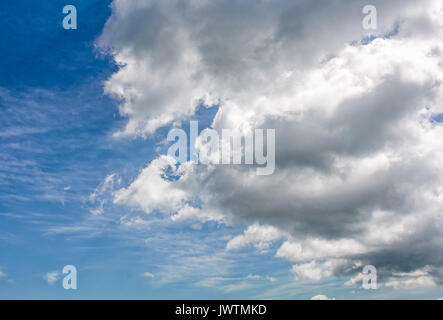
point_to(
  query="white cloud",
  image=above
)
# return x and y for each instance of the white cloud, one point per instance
(238, 286)
(356, 280)
(319, 249)
(321, 297)
(236, 283)
(359, 159)
(411, 280)
(259, 277)
(259, 236)
(97, 198)
(133, 221)
(148, 275)
(164, 47)
(316, 270)
(110, 181)
(254, 276)
(213, 281)
(151, 191)
(52, 277)
(193, 263)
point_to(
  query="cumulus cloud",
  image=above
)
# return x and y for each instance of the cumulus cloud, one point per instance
(317, 270)
(259, 236)
(152, 190)
(359, 159)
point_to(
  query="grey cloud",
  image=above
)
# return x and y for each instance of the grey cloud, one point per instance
(355, 154)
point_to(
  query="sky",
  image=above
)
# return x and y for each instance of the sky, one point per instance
(86, 180)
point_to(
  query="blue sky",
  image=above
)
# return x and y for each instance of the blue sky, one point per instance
(57, 148)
